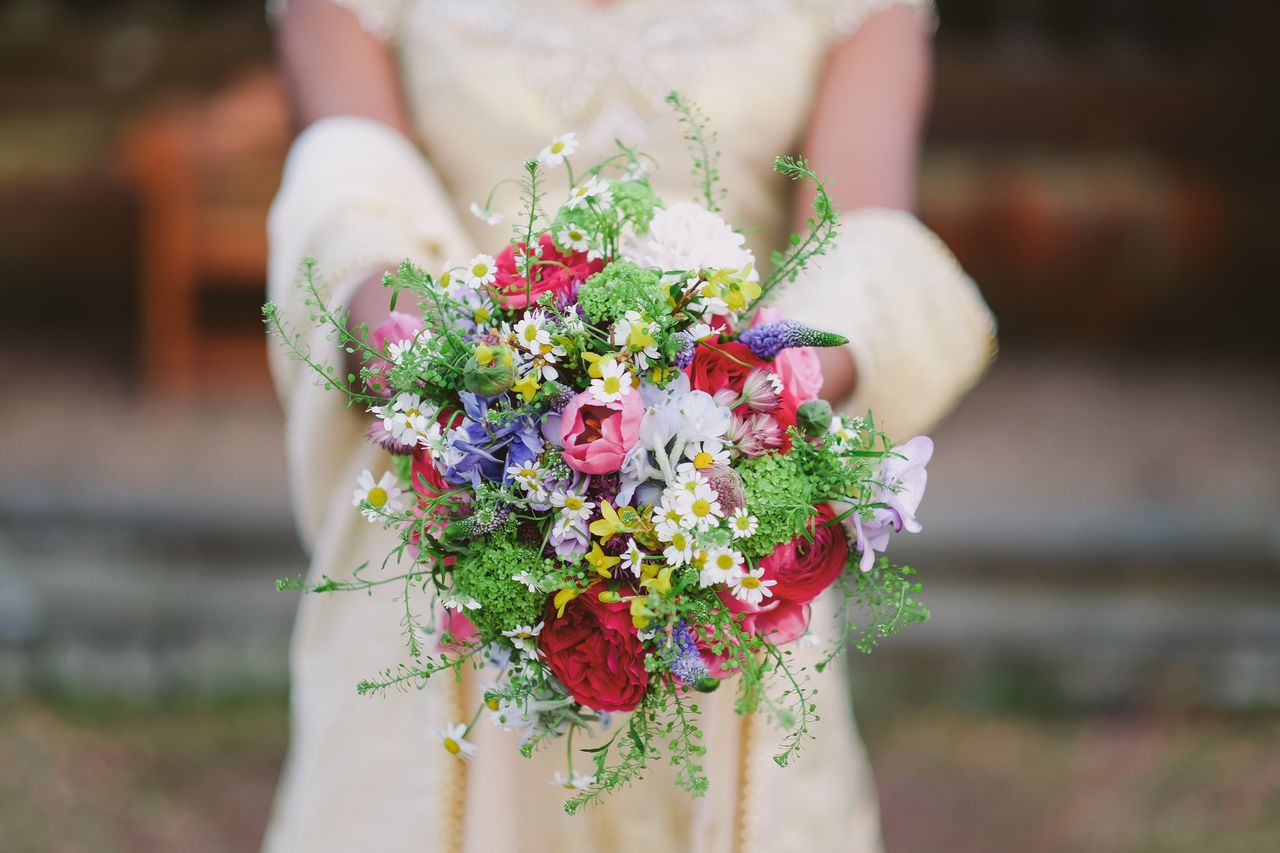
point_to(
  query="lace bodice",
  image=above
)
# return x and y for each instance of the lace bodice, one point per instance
(487, 82)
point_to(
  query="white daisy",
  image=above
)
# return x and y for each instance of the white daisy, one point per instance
(572, 506)
(530, 333)
(559, 148)
(751, 587)
(700, 332)
(382, 496)
(525, 637)
(680, 550)
(633, 558)
(407, 421)
(701, 507)
(573, 238)
(723, 565)
(529, 477)
(479, 271)
(526, 577)
(460, 604)
(704, 454)
(576, 781)
(485, 215)
(455, 741)
(742, 523)
(614, 382)
(592, 187)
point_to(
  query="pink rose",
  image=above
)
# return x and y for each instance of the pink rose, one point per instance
(562, 273)
(595, 652)
(776, 620)
(797, 367)
(396, 328)
(598, 435)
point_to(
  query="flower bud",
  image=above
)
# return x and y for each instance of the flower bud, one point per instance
(814, 417)
(490, 371)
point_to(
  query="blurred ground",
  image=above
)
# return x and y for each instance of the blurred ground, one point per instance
(200, 779)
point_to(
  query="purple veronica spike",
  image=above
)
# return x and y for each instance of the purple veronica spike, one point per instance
(769, 339)
(688, 666)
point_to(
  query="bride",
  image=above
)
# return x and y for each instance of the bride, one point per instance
(412, 110)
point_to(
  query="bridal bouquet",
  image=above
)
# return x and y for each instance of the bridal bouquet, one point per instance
(612, 478)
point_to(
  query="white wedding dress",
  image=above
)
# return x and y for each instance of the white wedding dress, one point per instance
(488, 83)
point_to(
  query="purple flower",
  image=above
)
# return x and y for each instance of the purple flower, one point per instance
(569, 541)
(687, 664)
(481, 448)
(899, 485)
(684, 355)
(768, 339)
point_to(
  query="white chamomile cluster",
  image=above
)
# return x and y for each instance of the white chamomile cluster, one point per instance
(689, 510)
(532, 338)
(410, 421)
(613, 383)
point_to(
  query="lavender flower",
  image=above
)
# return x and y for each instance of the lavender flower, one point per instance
(769, 339)
(687, 664)
(684, 355)
(900, 484)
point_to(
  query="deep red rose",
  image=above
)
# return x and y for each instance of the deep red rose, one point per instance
(716, 366)
(803, 569)
(594, 651)
(560, 277)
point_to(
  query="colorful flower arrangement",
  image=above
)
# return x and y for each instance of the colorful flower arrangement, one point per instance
(613, 479)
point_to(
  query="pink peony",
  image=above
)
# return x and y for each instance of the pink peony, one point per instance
(806, 566)
(598, 435)
(776, 620)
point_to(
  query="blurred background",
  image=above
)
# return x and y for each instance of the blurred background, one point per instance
(1102, 671)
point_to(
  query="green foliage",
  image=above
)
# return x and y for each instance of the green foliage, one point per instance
(484, 573)
(823, 226)
(780, 496)
(702, 146)
(619, 288)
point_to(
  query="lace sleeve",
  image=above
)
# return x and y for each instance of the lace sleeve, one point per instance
(380, 17)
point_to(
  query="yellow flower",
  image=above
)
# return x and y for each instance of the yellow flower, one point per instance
(610, 524)
(640, 614)
(639, 338)
(609, 596)
(485, 354)
(526, 386)
(601, 561)
(661, 582)
(594, 360)
(563, 597)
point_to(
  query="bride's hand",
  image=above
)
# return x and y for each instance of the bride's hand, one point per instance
(839, 374)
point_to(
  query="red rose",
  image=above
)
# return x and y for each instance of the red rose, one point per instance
(594, 651)
(803, 569)
(559, 277)
(717, 366)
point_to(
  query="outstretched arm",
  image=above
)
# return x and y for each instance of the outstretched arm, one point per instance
(334, 67)
(864, 134)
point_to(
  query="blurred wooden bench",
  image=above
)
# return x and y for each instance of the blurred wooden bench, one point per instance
(205, 173)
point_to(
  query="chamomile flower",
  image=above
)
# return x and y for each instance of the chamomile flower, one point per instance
(614, 382)
(572, 506)
(460, 604)
(637, 335)
(633, 558)
(455, 741)
(485, 215)
(751, 587)
(680, 549)
(701, 507)
(576, 781)
(531, 333)
(723, 565)
(704, 454)
(479, 271)
(525, 637)
(381, 496)
(573, 238)
(592, 188)
(528, 476)
(557, 149)
(700, 332)
(526, 577)
(408, 420)
(742, 523)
